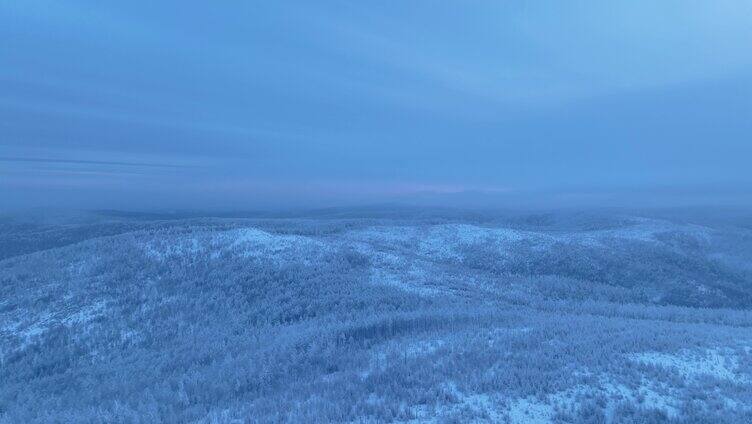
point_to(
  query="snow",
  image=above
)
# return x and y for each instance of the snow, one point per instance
(478, 404)
(85, 314)
(256, 243)
(389, 235)
(409, 257)
(529, 410)
(31, 328)
(693, 364)
(161, 250)
(248, 242)
(28, 331)
(648, 395)
(445, 241)
(396, 279)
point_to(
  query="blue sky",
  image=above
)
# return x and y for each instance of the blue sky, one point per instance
(265, 104)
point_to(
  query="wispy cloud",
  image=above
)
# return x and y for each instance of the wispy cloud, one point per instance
(344, 100)
(93, 162)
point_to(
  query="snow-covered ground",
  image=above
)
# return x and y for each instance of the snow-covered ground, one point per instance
(720, 363)
(371, 322)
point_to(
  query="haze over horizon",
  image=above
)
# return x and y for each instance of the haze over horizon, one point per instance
(194, 105)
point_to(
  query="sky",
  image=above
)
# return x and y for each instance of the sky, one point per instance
(255, 105)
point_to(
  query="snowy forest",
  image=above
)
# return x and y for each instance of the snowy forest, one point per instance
(377, 315)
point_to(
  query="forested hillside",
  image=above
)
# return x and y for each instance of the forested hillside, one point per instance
(378, 317)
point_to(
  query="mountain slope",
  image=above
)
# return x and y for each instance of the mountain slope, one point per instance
(363, 321)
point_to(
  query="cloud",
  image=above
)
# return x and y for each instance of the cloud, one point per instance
(93, 162)
(346, 100)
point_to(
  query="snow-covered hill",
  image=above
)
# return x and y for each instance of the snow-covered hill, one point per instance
(625, 319)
